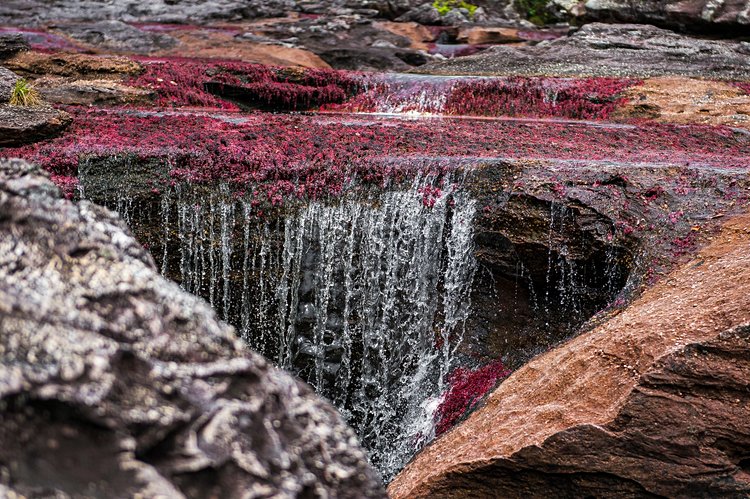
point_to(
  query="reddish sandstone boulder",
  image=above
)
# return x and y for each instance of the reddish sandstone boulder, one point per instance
(653, 403)
(484, 35)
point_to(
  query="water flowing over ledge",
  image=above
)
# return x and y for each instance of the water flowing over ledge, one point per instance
(365, 297)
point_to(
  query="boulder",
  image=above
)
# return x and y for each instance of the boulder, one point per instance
(610, 50)
(482, 35)
(116, 383)
(23, 125)
(8, 80)
(652, 403)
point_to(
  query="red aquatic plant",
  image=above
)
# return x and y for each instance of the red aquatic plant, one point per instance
(466, 388)
(221, 84)
(588, 98)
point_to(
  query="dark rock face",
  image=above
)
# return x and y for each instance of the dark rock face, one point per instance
(11, 44)
(115, 383)
(610, 50)
(23, 125)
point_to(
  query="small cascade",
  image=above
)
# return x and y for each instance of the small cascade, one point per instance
(365, 299)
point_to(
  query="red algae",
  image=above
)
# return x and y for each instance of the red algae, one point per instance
(467, 387)
(213, 84)
(584, 99)
(743, 85)
(587, 98)
(312, 156)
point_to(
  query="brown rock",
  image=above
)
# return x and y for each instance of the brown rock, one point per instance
(485, 35)
(78, 65)
(96, 92)
(419, 35)
(652, 403)
(23, 125)
(688, 100)
(224, 45)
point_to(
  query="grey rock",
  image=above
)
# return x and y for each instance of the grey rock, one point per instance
(610, 50)
(424, 14)
(456, 16)
(11, 44)
(118, 36)
(116, 383)
(8, 80)
(23, 125)
(39, 12)
(721, 16)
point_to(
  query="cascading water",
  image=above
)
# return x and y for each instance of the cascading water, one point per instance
(364, 298)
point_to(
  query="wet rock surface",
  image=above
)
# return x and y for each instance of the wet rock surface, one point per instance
(114, 382)
(652, 403)
(610, 50)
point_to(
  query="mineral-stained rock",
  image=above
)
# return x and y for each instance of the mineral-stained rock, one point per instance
(23, 125)
(116, 383)
(604, 50)
(653, 403)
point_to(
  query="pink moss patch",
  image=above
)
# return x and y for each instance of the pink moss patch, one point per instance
(467, 387)
(588, 98)
(743, 85)
(312, 156)
(210, 84)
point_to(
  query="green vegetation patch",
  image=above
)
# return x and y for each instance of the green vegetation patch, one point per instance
(445, 6)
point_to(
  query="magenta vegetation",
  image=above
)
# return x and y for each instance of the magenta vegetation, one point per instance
(211, 84)
(588, 98)
(282, 155)
(467, 387)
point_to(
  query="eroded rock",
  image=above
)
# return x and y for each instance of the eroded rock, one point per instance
(116, 383)
(653, 403)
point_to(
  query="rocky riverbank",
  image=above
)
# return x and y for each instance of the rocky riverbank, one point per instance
(553, 200)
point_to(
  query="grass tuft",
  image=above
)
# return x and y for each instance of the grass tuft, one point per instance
(24, 94)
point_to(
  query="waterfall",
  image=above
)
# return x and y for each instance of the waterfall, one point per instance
(364, 298)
